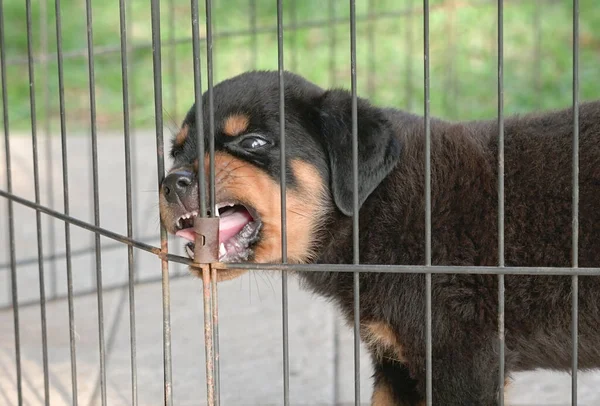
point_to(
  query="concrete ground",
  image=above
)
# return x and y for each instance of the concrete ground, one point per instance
(250, 307)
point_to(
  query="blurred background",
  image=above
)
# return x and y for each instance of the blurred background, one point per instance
(538, 71)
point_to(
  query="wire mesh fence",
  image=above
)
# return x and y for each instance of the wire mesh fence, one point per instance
(440, 57)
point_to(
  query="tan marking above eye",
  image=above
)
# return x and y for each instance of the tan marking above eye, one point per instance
(235, 124)
(181, 135)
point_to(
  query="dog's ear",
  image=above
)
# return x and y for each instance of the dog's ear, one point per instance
(378, 147)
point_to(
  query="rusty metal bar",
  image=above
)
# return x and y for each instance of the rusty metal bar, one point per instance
(208, 254)
(164, 247)
(208, 337)
(212, 198)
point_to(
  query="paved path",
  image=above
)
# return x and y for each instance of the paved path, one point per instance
(250, 308)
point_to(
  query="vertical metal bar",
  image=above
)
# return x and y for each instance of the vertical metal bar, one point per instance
(208, 346)
(575, 223)
(11, 216)
(371, 48)
(48, 142)
(96, 197)
(254, 34)
(38, 215)
(427, 123)
(332, 83)
(206, 275)
(65, 179)
(282, 146)
(132, 137)
(129, 203)
(215, 322)
(164, 245)
(212, 198)
(355, 235)
(501, 200)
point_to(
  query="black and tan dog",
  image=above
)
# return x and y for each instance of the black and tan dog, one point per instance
(538, 162)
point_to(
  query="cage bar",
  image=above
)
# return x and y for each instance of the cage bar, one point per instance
(129, 203)
(43, 38)
(355, 208)
(96, 198)
(282, 184)
(212, 198)
(501, 263)
(65, 181)
(575, 221)
(38, 216)
(206, 274)
(211, 194)
(427, 124)
(11, 216)
(164, 245)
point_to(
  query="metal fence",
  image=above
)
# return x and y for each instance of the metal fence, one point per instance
(210, 297)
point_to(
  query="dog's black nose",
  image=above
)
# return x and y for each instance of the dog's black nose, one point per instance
(177, 185)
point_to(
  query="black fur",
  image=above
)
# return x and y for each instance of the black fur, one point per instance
(538, 207)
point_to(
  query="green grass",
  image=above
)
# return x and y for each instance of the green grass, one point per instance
(537, 74)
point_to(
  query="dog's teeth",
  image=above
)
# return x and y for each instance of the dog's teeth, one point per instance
(179, 222)
(216, 210)
(222, 250)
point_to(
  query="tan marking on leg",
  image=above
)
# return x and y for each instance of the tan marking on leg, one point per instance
(507, 384)
(382, 395)
(235, 124)
(381, 339)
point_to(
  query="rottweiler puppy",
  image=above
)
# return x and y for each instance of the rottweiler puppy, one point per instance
(538, 210)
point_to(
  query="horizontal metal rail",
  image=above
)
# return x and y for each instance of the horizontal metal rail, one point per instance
(441, 269)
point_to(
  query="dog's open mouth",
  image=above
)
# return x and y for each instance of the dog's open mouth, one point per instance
(239, 228)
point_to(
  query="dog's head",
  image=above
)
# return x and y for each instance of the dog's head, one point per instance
(318, 135)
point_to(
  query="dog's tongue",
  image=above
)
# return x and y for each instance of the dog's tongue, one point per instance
(187, 233)
(230, 223)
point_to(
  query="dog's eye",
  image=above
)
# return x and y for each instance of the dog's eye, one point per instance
(252, 143)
